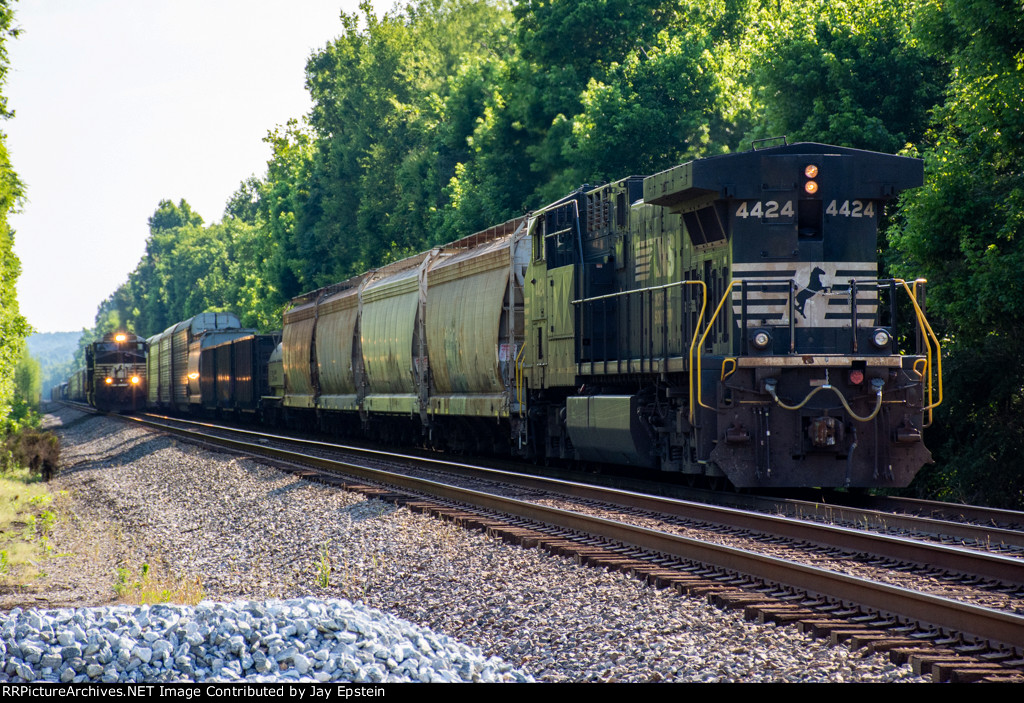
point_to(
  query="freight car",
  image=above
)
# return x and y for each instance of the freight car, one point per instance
(233, 373)
(174, 359)
(723, 318)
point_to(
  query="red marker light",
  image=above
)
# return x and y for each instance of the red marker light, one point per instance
(856, 377)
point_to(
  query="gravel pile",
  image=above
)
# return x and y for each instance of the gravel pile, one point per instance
(297, 640)
(243, 529)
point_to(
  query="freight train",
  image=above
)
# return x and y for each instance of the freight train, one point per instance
(724, 318)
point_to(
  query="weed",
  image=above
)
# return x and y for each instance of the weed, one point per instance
(28, 447)
(47, 518)
(323, 574)
(147, 588)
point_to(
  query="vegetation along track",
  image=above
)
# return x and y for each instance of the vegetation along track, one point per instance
(648, 537)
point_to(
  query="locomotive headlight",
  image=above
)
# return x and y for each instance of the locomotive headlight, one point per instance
(108, 380)
(881, 339)
(135, 380)
(761, 339)
(194, 375)
(811, 171)
(120, 337)
(811, 187)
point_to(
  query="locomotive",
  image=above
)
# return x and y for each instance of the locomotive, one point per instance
(114, 377)
(723, 319)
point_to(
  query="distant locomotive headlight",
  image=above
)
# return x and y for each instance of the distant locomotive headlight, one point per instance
(135, 380)
(881, 339)
(120, 337)
(108, 380)
(194, 375)
(811, 171)
(761, 339)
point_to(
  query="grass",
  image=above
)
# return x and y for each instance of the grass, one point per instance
(323, 575)
(27, 516)
(146, 586)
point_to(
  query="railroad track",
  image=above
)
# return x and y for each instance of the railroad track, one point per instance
(948, 638)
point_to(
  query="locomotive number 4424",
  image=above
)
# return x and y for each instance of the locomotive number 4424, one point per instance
(771, 209)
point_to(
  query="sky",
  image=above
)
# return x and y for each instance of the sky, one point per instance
(120, 104)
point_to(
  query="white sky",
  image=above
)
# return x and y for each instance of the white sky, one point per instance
(122, 103)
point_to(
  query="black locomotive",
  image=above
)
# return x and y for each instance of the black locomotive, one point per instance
(114, 377)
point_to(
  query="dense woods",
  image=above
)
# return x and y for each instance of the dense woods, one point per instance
(444, 116)
(13, 327)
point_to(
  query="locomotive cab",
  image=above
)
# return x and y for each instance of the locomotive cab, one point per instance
(814, 389)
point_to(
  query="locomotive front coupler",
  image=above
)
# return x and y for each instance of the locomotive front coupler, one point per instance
(877, 385)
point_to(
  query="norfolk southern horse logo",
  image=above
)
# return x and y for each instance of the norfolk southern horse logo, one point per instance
(820, 293)
(814, 286)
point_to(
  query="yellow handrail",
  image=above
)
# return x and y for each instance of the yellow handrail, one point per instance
(929, 336)
(689, 359)
(726, 361)
(927, 375)
(923, 322)
(711, 322)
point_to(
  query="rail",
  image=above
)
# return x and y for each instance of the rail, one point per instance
(995, 626)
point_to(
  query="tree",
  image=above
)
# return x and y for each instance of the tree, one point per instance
(847, 72)
(964, 231)
(13, 327)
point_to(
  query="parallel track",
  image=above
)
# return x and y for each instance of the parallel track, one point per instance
(996, 628)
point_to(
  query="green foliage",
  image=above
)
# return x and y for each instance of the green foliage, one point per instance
(27, 517)
(846, 72)
(394, 104)
(964, 231)
(147, 587)
(13, 327)
(190, 268)
(676, 85)
(27, 388)
(323, 570)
